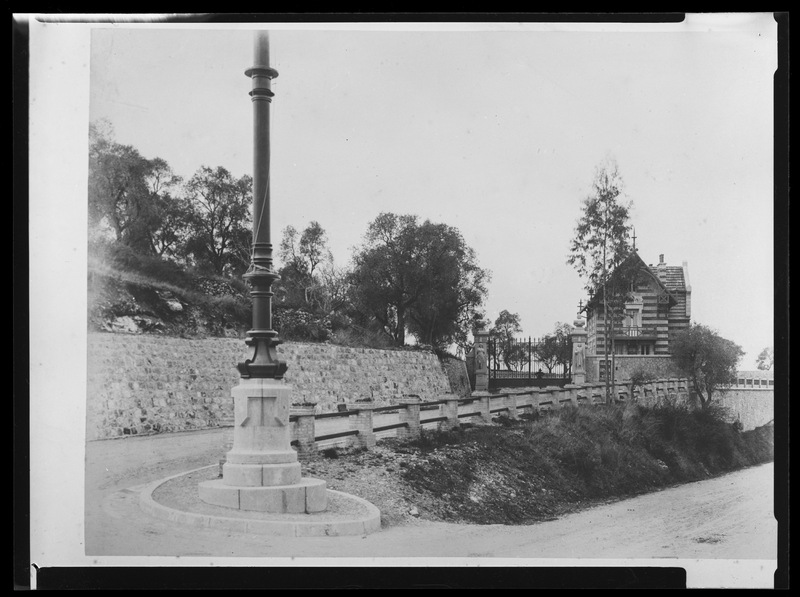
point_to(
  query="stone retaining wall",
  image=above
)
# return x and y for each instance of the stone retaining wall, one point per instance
(456, 371)
(140, 384)
(753, 408)
(657, 366)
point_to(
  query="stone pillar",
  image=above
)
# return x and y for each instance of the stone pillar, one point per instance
(306, 431)
(449, 410)
(579, 352)
(261, 472)
(571, 392)
(483, 401)
(481, 360)
(361, 421)
(409, 414)
(511, 404)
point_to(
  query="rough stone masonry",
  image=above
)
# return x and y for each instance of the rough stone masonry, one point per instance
(140, 384)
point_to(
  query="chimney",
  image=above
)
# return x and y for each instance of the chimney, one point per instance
(661, 259)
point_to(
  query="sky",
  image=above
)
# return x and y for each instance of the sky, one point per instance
(495, 130)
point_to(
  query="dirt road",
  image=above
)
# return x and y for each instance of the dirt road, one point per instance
(726, 518)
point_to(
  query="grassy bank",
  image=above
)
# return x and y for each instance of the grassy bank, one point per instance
(534, 469)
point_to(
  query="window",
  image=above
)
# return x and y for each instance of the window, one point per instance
(644, 349)
(602, 370)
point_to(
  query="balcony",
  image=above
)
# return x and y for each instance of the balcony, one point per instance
(637, 332)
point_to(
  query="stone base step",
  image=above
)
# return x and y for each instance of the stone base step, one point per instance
(307, 496)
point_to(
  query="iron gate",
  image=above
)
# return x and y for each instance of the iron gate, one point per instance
(515, 363)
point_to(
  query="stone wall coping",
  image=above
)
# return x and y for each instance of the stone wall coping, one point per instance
(357, 406)
(409, 400)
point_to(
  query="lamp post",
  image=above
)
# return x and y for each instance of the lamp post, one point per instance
(260, 276)
(261, 471)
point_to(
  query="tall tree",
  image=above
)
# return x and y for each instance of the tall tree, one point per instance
(453, 287)
(600, 244)
(417, 278)
(707, 359)
(220, 221)
(119, 196)
(172, 213)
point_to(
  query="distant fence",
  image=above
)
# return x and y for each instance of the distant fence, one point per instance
(362, 424)
(531, 362)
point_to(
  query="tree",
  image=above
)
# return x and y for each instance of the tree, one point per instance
(708, 360)
(172, 213)
(766, 359)
(556, 348)
(600, 246)
(220, 220)
(453, 287)
(505, 327)
(416, 278)
(302, 256)
(119, 196)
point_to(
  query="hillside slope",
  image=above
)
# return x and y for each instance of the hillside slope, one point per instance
(526, 471)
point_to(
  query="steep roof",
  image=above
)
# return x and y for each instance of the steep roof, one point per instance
(669, 277)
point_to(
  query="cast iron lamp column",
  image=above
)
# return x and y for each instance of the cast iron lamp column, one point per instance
(260, 276)
(261, 471)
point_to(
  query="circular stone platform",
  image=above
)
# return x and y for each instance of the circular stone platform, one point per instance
(177, 499)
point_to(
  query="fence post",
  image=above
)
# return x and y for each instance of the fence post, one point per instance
(511, 404)
(409, 414)
(523, 399)
(305, 431)
(571, 391)
(583, 394)
(450, 410)
(361, 421)
(484, 402)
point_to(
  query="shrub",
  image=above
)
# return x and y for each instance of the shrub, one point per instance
(301, 325)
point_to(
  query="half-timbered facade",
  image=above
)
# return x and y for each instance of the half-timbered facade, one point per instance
(657, 305)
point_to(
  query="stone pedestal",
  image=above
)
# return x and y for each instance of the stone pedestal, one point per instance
(450, 410)
(579, 336)
(481, 360)
(261, 472)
